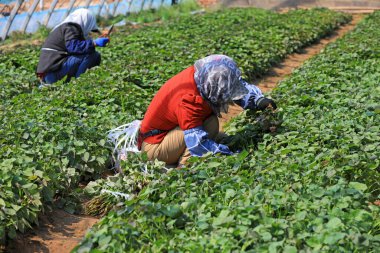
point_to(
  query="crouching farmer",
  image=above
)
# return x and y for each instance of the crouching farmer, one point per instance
(68, 50)
(181, 120)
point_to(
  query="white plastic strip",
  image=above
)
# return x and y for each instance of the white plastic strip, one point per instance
(124, 138)
(117, 194)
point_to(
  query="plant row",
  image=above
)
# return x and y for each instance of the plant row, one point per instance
(308, 187)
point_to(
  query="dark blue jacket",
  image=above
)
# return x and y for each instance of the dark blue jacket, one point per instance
(65, 40)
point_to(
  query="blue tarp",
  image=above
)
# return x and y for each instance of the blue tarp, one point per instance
(6, 1)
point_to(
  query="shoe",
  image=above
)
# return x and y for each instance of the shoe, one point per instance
(43, 85)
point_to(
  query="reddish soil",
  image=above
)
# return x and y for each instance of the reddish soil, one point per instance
(291, 62)
(58, 232)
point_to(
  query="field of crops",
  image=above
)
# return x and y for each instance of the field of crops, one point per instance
(308, 187)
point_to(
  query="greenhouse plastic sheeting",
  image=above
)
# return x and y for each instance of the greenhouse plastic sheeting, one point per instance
(7, 1)
(57, 16)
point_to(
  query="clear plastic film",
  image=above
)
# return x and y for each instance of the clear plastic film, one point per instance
(124, 140)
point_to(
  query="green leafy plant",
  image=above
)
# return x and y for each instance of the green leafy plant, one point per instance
(310, 187)
(54, 138)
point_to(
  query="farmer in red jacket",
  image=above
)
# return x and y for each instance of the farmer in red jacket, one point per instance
(181, 120)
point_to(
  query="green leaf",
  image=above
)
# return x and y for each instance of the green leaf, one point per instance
(314, 242)
(290, 249)
(12, 233)
(318, 192)
(25, 136)
(213, 164)
(102, 142)
(332, 238)
(78, 143)
(39, 173)
(301, 215)
(100, 160)
(230, 193)
(104, 240)
(334, 223)
(223, 218)
(266, 236)
(172, 211)
(86, 157)
(358, 186)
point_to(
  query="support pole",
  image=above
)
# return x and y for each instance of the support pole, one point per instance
(116, 4)
(142, 5)
(101, 7)
(108, 10)
(29, 15)
(150, 4)
(50, 11)
(87, 4)
(129, 6)
(72, 2)
(10, 19)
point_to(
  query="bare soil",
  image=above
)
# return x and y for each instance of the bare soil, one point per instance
(58, 232)
(291, 62)
(9, 47)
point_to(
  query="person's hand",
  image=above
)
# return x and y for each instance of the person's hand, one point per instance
(104, 35)
(101, 42)
(266, 103)
(223, 149)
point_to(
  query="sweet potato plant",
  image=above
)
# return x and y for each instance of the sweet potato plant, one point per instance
(55, 137)
(310, 187)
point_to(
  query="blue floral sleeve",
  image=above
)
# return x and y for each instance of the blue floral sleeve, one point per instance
(198, 143)
(250, 100)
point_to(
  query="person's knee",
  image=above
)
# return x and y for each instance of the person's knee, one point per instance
(75, 61)
(93, 59)
(72, 64)
(97, 58)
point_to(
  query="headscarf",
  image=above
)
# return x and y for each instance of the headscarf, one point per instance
(84, 18)
(218, 81)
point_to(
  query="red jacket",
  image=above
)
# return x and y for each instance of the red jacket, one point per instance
(177, 103)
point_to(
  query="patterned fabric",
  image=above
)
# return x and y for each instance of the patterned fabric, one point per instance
(250, 100)
(218, 81)
(84, 18)
(196, 138)
(198, 143)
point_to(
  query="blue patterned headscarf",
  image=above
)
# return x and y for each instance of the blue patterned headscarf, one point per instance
(218, 81)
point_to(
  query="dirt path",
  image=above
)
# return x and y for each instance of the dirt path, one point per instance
(10, 47)
(59, 232)
(291, 62)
